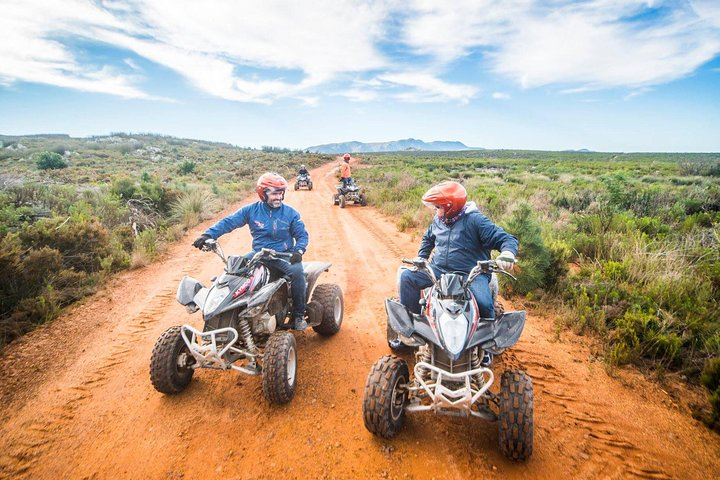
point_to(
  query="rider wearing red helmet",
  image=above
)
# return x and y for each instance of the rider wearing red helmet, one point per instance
(272, 225)
(459, 235)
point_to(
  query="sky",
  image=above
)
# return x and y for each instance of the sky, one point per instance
(605, 75)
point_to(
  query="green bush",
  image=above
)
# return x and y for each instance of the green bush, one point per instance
(50, 161)
(710, 379)
(187, 167)
(535, 257)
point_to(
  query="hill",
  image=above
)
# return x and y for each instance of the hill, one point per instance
(393, 146)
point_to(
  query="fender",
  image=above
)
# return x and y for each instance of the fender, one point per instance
(500, 334)
(187, 290)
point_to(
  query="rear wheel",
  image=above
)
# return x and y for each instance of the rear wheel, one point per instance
(330, 296)
(336, 199)
(342, 201)
(515, 422)
(170, 363)
(279, 376)
(385, 396)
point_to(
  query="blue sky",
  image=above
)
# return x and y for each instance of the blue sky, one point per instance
(611, 75)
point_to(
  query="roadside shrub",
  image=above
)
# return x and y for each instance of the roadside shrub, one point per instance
(50, 161)
(193, 206)
(146, 248)
(81, 243)
(535, 258)
(644, 334)
(710, 379)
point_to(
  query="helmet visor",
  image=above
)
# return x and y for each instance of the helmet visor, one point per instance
(438, 209)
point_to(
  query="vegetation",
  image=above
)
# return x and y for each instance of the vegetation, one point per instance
(627, 246)
(75, 211)
(50, 161)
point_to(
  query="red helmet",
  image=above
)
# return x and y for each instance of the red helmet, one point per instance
(447, 197)
(346, 157)
(269, 182)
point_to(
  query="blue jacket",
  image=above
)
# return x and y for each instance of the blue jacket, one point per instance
(278, 228)
(459, 246)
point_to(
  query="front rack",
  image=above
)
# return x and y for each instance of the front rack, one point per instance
(204, 348)
(448, 401)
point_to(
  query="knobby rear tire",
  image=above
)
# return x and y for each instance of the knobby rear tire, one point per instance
(515, 422)
(330, 296)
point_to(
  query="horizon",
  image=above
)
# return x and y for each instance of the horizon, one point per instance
(640, 76)
(469, 148)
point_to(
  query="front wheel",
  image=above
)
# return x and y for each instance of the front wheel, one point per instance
(363, 200)
(336, 199)
(310, 186)
(330, 296)
(385, 396)
(342, 201)
(279, 376)
(515, 422)
(297, 187)
(170, 363)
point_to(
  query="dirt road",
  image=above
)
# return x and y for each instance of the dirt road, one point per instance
(77, 400)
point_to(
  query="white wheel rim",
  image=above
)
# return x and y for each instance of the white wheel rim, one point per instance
(337, 310)
(291, 366)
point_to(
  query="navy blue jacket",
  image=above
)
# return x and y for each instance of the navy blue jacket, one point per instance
(459, 246)
(278, 228)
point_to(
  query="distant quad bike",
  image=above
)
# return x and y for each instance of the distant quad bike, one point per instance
(303, 181)
(448, 377)
(350, 193)
(246, 315)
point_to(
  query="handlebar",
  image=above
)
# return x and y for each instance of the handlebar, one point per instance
(482, 266)
(212, 245)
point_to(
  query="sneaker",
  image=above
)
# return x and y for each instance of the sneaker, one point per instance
(300, 323)
(486, 360)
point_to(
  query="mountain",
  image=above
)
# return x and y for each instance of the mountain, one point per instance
(394, 146)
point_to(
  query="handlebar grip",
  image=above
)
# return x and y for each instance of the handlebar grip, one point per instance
(407, 260)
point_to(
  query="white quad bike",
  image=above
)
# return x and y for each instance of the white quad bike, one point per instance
(303, 181)
(448, 376)
(246, 315)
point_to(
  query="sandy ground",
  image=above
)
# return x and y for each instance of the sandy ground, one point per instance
(77, 401)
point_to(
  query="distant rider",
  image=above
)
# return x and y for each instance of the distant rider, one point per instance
(460, 236)
(345, 171)
(272, 225)
(303, 170)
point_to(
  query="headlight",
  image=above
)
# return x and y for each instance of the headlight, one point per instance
(215, 298)
(453, 331)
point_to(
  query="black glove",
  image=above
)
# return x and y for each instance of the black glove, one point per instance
(200, 241)
(296, 257)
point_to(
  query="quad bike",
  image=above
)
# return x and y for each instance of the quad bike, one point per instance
(448, 378)
(246, 315)
(303, 181)
(349, 193)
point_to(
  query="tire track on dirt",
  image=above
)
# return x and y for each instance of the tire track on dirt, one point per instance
(601, 439)
(38, 436)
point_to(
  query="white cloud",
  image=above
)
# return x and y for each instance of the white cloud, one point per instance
(596, 43)
(428, 88)
(262, 50)
(500, 96)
